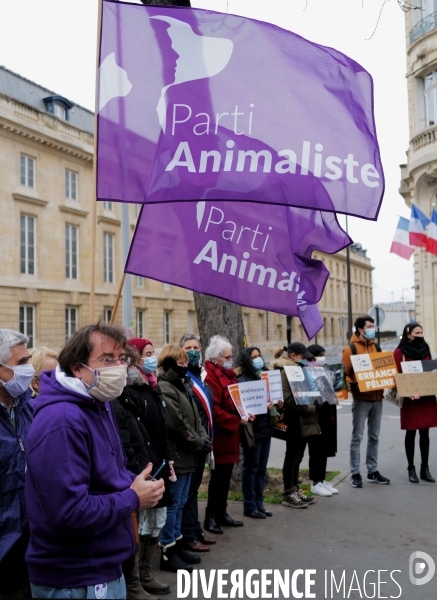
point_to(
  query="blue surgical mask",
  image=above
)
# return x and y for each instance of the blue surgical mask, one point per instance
(149, 364)
(193, 357)
(258, 363)
(369, 334)
(23, 375)
(303, 361)
(228, 364)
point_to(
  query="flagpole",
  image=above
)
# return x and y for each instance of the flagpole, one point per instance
(349, 289)
(94, 207)
(117, 299)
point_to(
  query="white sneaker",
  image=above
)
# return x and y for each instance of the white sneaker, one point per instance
(329, 487)
(320, 490)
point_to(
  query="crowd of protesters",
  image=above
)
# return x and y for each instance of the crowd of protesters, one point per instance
(104, 447)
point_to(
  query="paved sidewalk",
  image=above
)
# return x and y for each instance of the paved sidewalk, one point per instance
(376, 527)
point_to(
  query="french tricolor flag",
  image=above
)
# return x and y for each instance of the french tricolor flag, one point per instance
(401, 241)
(431, 242)
(418, 223)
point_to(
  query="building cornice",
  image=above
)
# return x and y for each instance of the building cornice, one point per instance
(73, 211)
(39, 138)
(29, 199)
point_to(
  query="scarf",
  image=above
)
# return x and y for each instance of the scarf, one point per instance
(203, 397)
(149, 377)
(420, 352)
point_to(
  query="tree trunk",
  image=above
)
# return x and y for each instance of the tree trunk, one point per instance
(215, 316)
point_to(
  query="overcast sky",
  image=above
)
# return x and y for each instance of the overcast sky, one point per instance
(53, 43)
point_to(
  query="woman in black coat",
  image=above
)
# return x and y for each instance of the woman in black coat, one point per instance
(256, 455)
(140, 417)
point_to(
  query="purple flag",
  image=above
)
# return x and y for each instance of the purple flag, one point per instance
(195, 104)
(251, 254)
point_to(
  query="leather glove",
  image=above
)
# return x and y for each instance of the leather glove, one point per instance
(207, 445)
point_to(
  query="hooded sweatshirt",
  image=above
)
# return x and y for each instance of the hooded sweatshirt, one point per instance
(78, 494)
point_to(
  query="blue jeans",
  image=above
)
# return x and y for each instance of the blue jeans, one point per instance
(254, 473)
(179, 490)
(372, 411)
(115, 590)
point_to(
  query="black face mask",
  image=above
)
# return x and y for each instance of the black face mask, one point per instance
(417, 341)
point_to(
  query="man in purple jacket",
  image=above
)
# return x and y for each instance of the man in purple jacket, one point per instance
(79, 494)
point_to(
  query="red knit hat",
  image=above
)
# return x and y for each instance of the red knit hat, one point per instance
(139, 344)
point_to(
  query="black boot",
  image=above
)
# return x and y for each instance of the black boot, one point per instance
(412, 476)
(210, 524)
(225, 519)
(425, 474)
(170, 561)
(187, 557)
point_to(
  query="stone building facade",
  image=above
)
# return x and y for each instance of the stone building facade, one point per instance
(46, 196)
(419, 174)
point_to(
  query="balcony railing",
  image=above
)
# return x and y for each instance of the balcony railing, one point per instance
(425, 138)
(424, 26)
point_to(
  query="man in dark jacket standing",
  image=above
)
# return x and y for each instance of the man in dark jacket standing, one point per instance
(366, 405)
(80, 496)
(194, 536)
(15, 418)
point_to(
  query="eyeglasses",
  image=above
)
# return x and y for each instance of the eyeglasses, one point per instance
(110, 362)
(228, 357)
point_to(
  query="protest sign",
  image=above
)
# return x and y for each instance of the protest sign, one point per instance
(338, 380)
(274, 385)
(249, 397)
(182, 115)
(255, 255)
(416, 384)
(309, 384)
(374, 371)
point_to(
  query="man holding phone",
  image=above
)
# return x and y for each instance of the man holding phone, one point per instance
(80, 496)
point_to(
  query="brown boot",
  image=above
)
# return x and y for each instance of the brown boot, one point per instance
(145, 557)
(134, 590)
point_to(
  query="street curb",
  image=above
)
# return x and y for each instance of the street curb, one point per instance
(341, 477)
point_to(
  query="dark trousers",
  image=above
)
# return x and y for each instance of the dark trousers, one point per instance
(295, 449)
(292, 459)
(218, 489)
(318, 458)
(254, 473)
(13, 570)
(190, 527)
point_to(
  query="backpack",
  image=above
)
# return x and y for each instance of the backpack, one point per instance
(354, 348)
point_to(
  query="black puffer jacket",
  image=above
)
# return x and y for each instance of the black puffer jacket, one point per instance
(140, 416)
(261, 425)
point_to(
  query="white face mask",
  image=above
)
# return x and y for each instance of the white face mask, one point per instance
(321, 359)
(23, 375)
(108, 383)
(132, 375)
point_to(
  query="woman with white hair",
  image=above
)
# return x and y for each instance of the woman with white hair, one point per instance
(227, 421)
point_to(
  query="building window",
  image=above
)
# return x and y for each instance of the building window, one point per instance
(166, 287)
(107, 315)
(27, 171)
(279, 331)
(167, 327)
(70, 321)
(108, 258)
(190, 321)
(140, 282)
(137, 209)
(140, 323)
(27, 245)
(59, 111)
(71, 236)
(70, 185)
(108, 205)
(27, 323)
